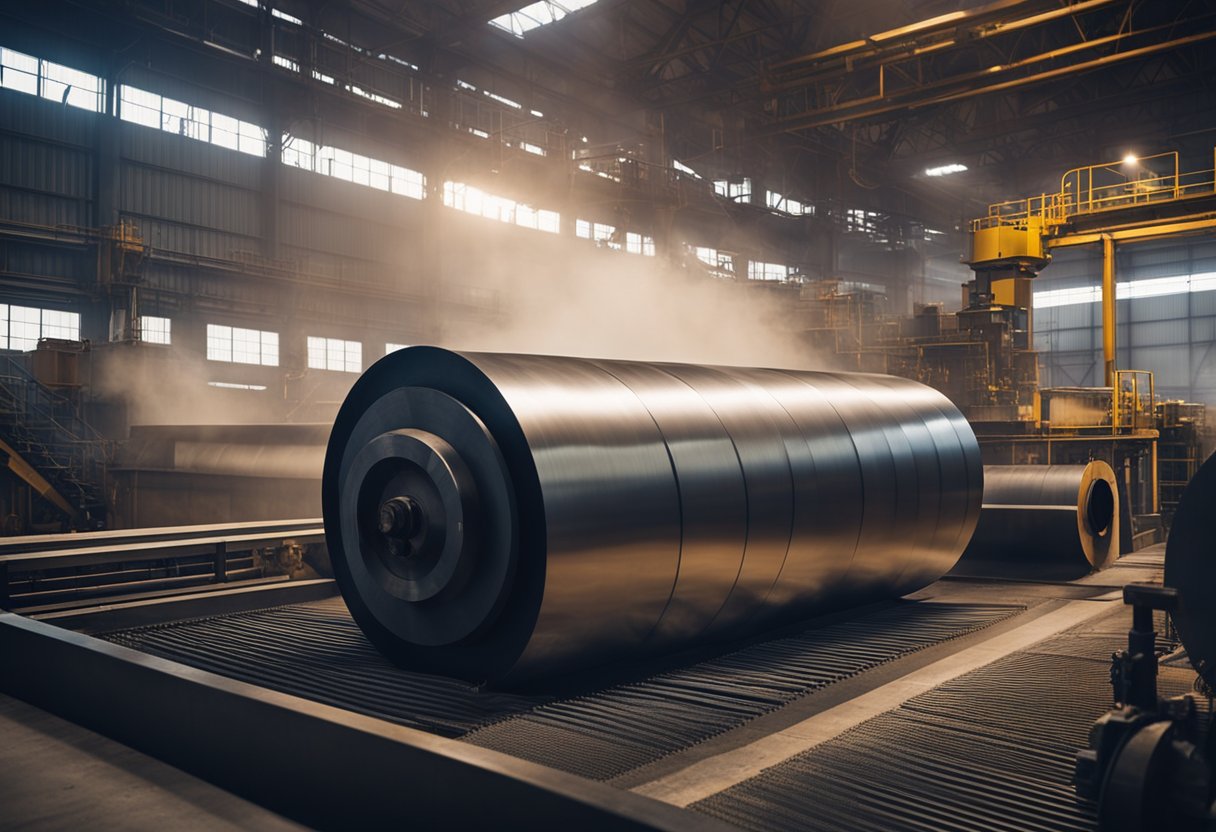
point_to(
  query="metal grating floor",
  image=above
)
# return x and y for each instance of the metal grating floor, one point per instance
(316, 651)
(608, 733)
(992, 749)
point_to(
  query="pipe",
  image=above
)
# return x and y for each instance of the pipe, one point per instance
(1109, 330)
(502, 517)
(1191, 569)
(1046, 522)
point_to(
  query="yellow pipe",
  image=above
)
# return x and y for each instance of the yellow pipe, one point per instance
(1137, 231)
(1108, 309)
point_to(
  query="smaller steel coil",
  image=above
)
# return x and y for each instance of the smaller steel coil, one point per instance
(1048, 522)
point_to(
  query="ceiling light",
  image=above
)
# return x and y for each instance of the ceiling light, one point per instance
(945, 170)
(1130, 159)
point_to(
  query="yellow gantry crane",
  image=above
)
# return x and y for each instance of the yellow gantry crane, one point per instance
(1126, 201)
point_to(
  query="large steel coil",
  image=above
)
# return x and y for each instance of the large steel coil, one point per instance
(1190, 568)
(496, 517)
(1051, 522)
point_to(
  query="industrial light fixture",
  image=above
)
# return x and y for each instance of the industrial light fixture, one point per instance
(945, 170)
(1131, 159)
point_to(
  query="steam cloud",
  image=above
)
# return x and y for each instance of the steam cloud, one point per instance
(605, 304)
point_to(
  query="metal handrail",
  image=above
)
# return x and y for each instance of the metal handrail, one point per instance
(47, 425)
(1079, 194)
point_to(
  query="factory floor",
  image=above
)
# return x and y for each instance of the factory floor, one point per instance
(56, 775)
(958, 708)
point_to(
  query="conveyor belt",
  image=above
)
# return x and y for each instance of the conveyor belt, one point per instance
(992, 749)
(316, 651)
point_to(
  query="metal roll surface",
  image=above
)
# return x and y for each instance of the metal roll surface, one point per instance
(500, 517)
(1190, 568)
(1051, 522)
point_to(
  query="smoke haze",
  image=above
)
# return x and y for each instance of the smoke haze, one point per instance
(608, 304)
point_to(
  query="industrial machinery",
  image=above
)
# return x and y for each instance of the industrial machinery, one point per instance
(192, 474)
(1048, 522)
(498, 517)
(982, 357)
(1151, 763)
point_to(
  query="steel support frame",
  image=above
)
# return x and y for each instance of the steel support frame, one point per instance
(1109, 328)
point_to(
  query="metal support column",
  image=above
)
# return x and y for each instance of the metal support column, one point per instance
(1108, 309)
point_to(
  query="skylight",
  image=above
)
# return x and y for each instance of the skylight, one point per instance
(535, 15)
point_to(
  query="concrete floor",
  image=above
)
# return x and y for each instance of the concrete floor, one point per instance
(57, 775)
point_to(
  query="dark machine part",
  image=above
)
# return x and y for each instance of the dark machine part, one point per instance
(500, 517)
(1049, 522)
(1190, 568)
(194, 474)
(1151, 763)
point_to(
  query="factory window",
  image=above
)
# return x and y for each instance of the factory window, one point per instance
(786, 205)
(371, 96)
(1152, 287)
(154, 330)
(286, 63)
(472, 200)
(757, 270)
(685, 169)
(598, 231)
(859, 219)
(639, 244)
(535, 15)
(390, 347)
(502, 99)
(235, 385)
(335, 354)
(736, 190)
(242, 346)
(281, 15)
(353, 167)
(603, 174)
(386, 57)
(717, 260)
(25, 73)
(21, 327)
(322, 77)
(611, 237)
(152, 110)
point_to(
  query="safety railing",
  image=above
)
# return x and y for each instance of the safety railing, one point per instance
(1103, 187)
(1133, 401)
(46, 427)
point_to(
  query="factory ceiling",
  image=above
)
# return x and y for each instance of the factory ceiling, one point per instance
(1019, 89)
(845, 101)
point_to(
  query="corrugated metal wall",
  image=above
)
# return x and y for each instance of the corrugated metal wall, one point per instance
(1173, 335)
(46, 165)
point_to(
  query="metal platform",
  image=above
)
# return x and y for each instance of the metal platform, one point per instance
(316, 651)
(958, 709)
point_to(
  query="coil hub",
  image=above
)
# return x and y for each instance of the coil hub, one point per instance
(428, 529)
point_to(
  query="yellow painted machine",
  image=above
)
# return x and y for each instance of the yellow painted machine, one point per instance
(983, 356)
